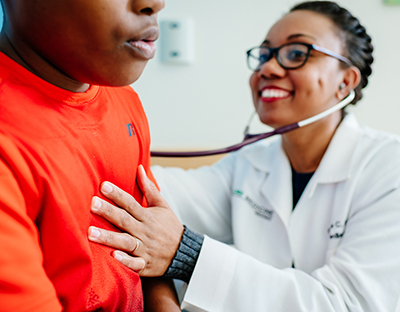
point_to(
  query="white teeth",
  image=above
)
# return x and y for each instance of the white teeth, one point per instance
(274, 93)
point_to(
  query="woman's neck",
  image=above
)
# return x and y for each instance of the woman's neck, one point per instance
(306, 146)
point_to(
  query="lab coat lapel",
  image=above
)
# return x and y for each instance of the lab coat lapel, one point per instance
(337, 162)
(335, 167)
(276, 187)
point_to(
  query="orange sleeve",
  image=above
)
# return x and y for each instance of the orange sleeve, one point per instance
(24, 285)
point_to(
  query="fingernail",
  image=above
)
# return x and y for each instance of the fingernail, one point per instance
(141, 168)
(118, 256)
(94, 233)
(96, 203)
(106, 188)
(144, 172)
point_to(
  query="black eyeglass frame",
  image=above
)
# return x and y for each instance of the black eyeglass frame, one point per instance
(310, 47)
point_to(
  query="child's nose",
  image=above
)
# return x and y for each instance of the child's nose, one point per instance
(149, 7)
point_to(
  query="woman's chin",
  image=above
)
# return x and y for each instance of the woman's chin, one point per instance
(272, 122)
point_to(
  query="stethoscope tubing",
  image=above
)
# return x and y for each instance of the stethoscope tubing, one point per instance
(251, 138)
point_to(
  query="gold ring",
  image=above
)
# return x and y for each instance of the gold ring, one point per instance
(137, 245)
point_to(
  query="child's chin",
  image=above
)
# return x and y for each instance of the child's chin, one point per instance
(126, 77)
(119, 81)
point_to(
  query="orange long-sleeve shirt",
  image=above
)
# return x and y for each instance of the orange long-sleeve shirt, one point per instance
(56, 147)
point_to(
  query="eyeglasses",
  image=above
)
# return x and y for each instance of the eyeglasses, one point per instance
(291, 55)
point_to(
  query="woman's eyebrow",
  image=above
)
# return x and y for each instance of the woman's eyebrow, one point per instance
(294, 36)
(300, 35)
(265, 42)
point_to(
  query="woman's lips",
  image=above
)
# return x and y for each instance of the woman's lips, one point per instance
(143, 48)
(273, 94)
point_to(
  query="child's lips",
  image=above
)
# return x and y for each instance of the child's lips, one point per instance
(145, 49)
(143, 45)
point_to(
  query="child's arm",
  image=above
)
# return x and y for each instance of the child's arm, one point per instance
(159, 295)
(24, 285)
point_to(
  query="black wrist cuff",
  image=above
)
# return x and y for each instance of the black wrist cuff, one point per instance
(184, 261)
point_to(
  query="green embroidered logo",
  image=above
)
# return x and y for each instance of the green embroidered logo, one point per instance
(238, 192)
(258, 209)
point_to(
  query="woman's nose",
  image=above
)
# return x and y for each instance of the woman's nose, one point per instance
(272, 69)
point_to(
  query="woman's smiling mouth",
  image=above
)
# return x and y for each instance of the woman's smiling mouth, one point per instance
(270, 94)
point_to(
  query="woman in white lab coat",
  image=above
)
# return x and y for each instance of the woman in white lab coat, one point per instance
(314, 216)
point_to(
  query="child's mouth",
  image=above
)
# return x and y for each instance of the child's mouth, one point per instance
(145, 49)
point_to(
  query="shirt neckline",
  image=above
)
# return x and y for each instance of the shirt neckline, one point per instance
(49, 90)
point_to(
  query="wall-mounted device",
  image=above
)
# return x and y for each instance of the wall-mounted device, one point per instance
(177, 41)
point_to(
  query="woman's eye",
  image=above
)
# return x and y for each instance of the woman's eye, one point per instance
(263, 58)
(295, 55)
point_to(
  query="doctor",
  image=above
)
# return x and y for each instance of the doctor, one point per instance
(314, 216)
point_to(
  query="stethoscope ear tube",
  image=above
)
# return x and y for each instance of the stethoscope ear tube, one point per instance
(251, 138)
(346, 101)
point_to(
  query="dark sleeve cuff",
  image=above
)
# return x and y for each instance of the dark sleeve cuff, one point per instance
(184, 261)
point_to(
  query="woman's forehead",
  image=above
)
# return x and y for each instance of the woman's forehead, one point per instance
(307, 25)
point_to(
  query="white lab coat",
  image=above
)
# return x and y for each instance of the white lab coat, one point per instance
(343, 236)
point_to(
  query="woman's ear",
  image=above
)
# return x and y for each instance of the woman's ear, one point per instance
(351, 79)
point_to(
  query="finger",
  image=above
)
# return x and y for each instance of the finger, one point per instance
(150, 190)
(115, 215)
(122, 199)
(134, 263)
(115, 240)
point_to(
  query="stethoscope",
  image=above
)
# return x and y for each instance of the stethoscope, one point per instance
(251, 138)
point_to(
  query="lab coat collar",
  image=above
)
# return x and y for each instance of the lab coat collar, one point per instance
(335, 165)
(337, 162)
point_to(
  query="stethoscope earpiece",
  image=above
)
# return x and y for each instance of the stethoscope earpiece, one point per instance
(342, 86)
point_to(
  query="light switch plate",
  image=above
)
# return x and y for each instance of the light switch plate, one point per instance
(177, 41)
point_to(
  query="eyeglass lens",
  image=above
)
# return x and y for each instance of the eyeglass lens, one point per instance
(289, 56)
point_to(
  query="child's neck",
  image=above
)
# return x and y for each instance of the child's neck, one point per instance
(40, 67)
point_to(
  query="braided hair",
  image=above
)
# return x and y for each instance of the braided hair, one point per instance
(358, 47)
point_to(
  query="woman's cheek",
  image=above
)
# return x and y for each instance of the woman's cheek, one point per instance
(253, 82)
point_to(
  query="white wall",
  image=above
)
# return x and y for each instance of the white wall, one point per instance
(208, 103)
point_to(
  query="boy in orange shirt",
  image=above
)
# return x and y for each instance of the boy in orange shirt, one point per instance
(67, 122)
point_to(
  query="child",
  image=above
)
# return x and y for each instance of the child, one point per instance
(66, 124)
